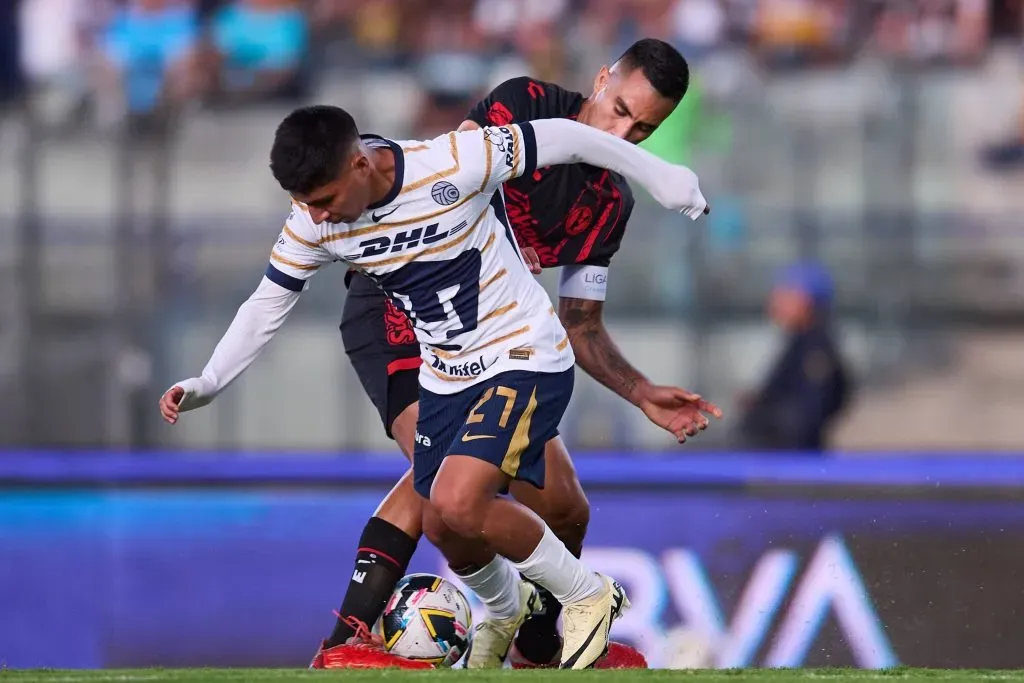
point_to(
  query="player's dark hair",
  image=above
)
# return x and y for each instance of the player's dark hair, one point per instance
(662, 66)
(310, 146)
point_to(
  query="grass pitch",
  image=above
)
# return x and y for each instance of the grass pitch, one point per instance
(505, 676)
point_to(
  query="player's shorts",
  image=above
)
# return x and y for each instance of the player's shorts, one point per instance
(505, 421)
(382, 347)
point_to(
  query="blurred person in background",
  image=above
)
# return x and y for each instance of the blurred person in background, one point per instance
(260, 49)
(453, 64)
(933, 31)
(807, 387)
(796, 33)
(528, 29)
(149, 56)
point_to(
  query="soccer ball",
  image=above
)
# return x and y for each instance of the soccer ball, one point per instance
(428, 619)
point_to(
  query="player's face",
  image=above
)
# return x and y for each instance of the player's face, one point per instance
(790, 308)
(344, 199)
(626, 105)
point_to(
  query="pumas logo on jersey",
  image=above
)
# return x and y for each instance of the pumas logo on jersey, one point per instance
(502, 139)
(472, 368)
(444, 193)
(405, 239)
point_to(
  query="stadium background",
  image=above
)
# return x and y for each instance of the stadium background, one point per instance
(133, 222)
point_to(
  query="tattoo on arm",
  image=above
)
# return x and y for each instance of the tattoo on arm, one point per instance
(595, 351)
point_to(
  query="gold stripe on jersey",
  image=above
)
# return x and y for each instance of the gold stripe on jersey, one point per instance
(487, 175)
(516, 147)
(440, 175)
(369, 230)
(562, 344)
(487, 244)
(415, 148)
(497, 276)
(551, 310)
(497, 312)
(274, 256)
(505, 337)
(432, 250)
(306, 243)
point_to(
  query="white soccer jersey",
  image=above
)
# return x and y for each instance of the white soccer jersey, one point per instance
(440, 247)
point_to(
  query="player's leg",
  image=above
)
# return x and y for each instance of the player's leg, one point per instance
(502, 439)
(564, 508)
(386, 363)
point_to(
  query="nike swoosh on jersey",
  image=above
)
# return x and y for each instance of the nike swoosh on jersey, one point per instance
(474, 437)
(376, 218)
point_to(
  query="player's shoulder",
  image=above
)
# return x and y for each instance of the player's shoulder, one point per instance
(301, 225)
(523, 99)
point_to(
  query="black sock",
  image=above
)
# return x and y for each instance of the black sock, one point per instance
(538, 640)
(383, 556)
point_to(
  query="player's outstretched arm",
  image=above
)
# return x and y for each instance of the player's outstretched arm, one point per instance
(671, 408)
(561, 141)
(255, 324)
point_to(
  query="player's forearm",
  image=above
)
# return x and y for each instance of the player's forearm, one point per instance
(596, 353)
(255, 324)
(561, 141)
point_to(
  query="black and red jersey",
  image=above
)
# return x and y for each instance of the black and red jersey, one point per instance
(572, 214)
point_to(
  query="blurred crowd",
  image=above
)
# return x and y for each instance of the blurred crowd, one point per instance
(109, 58)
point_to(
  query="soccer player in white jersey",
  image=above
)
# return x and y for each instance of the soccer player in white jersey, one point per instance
(498, 367)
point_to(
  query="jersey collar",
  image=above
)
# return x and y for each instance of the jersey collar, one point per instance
(392, 194)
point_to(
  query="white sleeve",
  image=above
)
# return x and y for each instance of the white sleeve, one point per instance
(298, 253)
(255, 324)
(489, 156)
(561, 141)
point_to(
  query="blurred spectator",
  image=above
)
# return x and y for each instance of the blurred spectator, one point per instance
(934, 31)
(529, 28)
(453, 67)
(800, 32)
(808, 385)
(261, 48)
(698, 27)
(149, 52)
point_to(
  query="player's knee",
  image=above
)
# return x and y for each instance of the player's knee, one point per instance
(459, 509)
(434, 528)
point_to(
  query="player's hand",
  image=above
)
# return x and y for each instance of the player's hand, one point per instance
(531, 259)
(677, 411)
(170, 404)
(679, 190)
(186, 395)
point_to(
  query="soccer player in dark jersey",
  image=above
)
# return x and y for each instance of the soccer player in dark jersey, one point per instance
(573, 217)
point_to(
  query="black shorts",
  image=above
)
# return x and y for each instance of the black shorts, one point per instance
(381, 344)
(506, 421)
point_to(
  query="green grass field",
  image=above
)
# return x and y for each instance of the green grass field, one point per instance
(393, 676)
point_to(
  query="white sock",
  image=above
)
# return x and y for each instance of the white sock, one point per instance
(497, 586)
(552, 565)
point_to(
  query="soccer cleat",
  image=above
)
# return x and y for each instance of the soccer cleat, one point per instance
(586, 623)
(621, 656)
(492, 638)
(362, 651)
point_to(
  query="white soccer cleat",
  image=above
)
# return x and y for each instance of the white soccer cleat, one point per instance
(586, 625)
(493, 637)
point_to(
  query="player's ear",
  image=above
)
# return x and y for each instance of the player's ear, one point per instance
(601, 80)
(360, 163)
